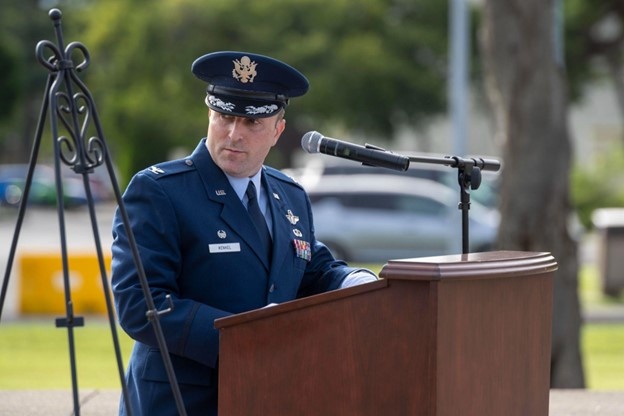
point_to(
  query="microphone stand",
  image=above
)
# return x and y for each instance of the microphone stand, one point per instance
(468, 177)
(77, 113)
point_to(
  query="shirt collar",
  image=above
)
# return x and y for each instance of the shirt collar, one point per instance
(240, 184)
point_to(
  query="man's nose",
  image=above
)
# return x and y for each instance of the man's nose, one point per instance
(237, 129)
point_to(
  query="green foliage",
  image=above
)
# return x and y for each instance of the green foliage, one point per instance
(8, 82)
(22, 25)
(371, 64)
(598, 184)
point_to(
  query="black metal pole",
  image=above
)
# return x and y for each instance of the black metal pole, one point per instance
(464, 179)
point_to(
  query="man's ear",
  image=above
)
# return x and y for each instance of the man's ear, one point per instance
(279, 129)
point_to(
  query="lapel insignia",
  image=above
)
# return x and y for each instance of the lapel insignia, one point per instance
(297, 232)
(293, 219)
(220, 192)
(156, 170)
(303, 249)
(276, 196)
(221, 234)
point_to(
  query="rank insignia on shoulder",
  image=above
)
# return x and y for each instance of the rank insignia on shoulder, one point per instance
(156, 170)
(303, 249)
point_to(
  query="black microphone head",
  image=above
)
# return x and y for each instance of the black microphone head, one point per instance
(310, 141)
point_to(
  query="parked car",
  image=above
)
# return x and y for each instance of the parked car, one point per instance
(43, 186)
(318, 166)
(374, 218)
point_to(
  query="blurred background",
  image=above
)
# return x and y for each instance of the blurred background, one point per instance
(536, 84)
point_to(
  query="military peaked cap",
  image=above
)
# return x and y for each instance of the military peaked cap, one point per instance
(248, 85)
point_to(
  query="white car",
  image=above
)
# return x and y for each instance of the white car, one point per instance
(375, 218)
(319, 167)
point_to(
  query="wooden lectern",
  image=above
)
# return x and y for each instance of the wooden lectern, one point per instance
(453, 335)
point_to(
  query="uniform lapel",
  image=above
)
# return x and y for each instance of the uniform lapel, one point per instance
(219, 190)
(282, 237)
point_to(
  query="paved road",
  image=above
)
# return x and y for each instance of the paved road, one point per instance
(104, 403)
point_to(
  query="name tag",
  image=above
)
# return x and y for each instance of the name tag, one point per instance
(224, 248)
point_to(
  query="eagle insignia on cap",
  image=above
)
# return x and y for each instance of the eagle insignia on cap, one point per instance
(244, 70)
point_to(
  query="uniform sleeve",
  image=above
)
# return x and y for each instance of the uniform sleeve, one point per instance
(189, 327)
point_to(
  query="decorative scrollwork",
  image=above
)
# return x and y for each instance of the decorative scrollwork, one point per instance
(75, 111)
(86, 59)
(95, 151)
(70, 156)
(50, 62)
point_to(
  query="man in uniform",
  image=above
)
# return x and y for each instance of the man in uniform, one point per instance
(218, 232)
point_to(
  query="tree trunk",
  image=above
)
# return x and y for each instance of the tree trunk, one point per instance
(616, 70)
(528, 92)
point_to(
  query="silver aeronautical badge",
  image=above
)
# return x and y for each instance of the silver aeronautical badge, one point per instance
(293, 219)
(297, 232)
(221, 234)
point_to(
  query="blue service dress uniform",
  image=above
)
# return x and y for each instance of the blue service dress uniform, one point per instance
(198, 245)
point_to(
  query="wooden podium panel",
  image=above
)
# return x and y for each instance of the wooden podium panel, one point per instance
(465, 334)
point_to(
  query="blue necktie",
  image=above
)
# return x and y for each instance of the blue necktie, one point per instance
(258, 219)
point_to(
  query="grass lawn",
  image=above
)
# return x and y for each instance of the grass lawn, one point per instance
(602, 344)
(34, 354)
(603, 356)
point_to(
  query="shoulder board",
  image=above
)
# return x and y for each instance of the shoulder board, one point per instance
(170, 168)
(281, 176)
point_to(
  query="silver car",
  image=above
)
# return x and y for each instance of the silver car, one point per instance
(375, 218)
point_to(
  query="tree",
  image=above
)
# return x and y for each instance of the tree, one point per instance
(528, 89)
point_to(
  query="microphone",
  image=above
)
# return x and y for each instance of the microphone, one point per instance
(315, 142)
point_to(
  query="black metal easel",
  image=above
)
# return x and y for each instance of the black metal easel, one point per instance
(82, 154)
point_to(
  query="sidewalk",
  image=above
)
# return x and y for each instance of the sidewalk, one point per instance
(104, 403)
(586, 403)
